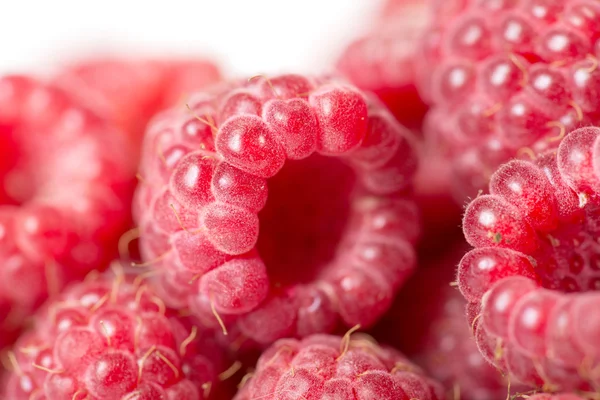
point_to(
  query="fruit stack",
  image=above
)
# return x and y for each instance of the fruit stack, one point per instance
(170, 233)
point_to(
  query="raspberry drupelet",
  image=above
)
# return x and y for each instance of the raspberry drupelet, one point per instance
(65, 188)
(280, 202)
(327, 367)
(383, 61)
(108, 338)
(533, 277)
(508, 79)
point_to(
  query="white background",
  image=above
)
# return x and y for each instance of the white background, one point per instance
(246, 36)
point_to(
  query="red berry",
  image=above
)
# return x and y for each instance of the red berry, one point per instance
(294, 203)
(536, 265)
(506, 79)
(111, 337)
(383, 60)
(332, 367)
(63, 197)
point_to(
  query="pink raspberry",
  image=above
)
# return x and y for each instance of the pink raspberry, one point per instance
(64, 194)
(508, 79)
(328, 367)
(279, 202)
(533, 275)
(129, 92)
(383, 61)
(111, 337)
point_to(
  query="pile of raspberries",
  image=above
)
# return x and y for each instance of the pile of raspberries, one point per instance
(420, 223)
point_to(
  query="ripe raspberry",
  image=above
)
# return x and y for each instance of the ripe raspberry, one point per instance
(383, 60)
(439, 339)
(534, 273)
(64, 194)
(129, 92)
(328, 367)
(336, 226)
(508, 78)
(110, 337)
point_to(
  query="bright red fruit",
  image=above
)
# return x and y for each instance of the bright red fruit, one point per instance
(535, 270)
(508, 78)
(111, 337)
(64, 194)
(128, 92)
(383, 61)
(331, 367)
(285, 196)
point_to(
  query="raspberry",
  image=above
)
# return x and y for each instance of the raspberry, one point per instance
(508, 78)
(288, 194)
(383, 60)
(111, 337)
(536, 265)
(332, 367)
(439, 339)
(64, 194)
(129, 92)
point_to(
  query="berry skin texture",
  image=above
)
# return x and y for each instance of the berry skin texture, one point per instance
(383, 61)
(64, 194)
(331, 367)
(535, 270)
(280, 204)
(111, 337)
(507, 79)
(128, 92)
